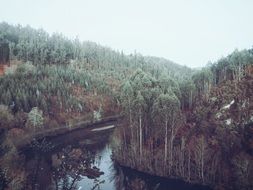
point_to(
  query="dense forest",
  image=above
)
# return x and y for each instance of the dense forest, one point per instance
(178, 122)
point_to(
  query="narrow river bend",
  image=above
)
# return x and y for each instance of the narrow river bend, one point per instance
(77, 161)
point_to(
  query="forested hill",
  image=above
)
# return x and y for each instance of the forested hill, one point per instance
(194, 125)
(63, 71)
(39, 47)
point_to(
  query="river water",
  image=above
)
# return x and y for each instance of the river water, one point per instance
(86, 164)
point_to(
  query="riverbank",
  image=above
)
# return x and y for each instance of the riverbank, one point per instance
(176, 182)
(53, 132)
(161, 182)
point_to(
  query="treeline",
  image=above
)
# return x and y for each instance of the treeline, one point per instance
(235, 66)
(38, 47)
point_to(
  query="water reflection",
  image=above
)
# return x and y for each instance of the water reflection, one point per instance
(71, 168)
(87, 165)
(128, 179)
(71, 165)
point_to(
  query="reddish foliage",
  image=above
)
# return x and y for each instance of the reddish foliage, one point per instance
(15, 133)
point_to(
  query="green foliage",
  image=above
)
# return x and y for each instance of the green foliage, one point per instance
(202, 80)
(187, 89)
(232, 67)
(139, 103)
(127, 90)
(141, 92)
(32, 86)
(35, 118)
(166, 105)
(168, 84)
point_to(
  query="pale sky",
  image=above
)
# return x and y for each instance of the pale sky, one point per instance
(188, 32)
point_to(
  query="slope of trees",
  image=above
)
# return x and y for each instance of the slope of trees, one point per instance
(179, 122)
(39, 47)
(201, 138)
(62, 65)
(232, 67)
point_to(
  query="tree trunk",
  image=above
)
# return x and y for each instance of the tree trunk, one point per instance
(182, 169)
(202, 161)
(166, 144)
(140, 129)
(130, 119)
(189, 165)
(190, 102)
(124, 136)
(171, 146)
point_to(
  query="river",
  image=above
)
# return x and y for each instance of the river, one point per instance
(86, 164)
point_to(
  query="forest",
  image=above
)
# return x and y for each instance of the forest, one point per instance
(182, 123)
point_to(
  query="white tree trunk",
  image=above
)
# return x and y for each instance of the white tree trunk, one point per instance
(189, 165)
(140, 129)
(130, 120)
(171, 144)
(166, 143)
(202, 160)
(190, 102)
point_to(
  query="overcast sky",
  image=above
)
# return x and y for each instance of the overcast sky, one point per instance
(189, 32)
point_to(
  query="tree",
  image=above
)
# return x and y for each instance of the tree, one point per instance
(167, 108)
(166, 83)
(187, 89)
(200, 156)
(140, 107)
(35, 118)
(127, 96)
(203, 80)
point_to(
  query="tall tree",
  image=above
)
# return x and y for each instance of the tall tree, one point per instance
(167, 108)
(140, 107)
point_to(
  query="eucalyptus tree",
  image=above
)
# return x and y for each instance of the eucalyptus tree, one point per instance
(232, 67)
(138, 95)
(187, 89)
(140, 106)
(146, 85)
(203, 80)
(201, 156)
(167, 109)
(166, 83)
(127, 96)
(238, 61)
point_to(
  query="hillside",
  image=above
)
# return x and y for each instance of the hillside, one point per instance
(194, 125)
